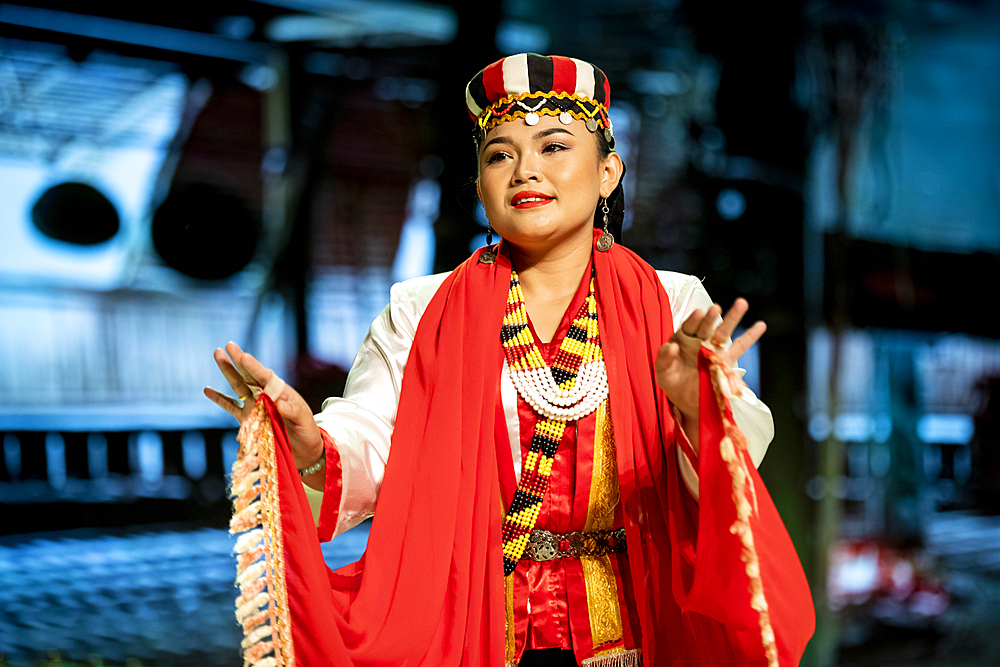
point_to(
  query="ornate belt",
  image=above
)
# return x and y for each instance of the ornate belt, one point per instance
(544, 545)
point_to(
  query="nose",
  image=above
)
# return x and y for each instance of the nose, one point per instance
(526, 169)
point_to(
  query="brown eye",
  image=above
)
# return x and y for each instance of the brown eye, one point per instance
(495, 157)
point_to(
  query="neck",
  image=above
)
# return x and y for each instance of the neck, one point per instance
(549, 279)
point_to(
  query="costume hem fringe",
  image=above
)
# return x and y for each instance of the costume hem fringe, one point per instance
(261, 608)
(630, 658)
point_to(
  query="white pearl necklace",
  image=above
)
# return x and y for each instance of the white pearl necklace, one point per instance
(539, 389)
(534, 379)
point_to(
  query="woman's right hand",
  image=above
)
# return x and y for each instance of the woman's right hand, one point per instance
(249, 378)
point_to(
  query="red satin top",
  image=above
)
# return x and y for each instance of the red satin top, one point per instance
(550, 599)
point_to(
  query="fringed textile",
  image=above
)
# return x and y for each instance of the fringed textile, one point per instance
(430, 588)
(731, 448)
(261, 608)
(632, 658)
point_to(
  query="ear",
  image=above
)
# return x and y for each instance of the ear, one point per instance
(611, 173)
(479, 191)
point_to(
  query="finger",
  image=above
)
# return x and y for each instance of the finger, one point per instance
(693, 321)
(668, 359)
(232, 376)
(729, 322)
(708, 324)
(749, 337)
(239, 358)
(665, 355)
(254, 373)
(227, 403)
(268, 380)
(295, 411)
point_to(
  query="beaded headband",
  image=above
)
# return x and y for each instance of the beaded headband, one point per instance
(528, 86)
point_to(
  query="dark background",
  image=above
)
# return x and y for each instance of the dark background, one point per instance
(176, 176)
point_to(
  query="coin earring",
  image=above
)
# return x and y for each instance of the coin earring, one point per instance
(607, 239)
(490, 254)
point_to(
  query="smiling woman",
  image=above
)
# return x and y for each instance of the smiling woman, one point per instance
(540, 184)
(572, 477)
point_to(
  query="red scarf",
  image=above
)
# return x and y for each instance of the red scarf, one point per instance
(429, 589)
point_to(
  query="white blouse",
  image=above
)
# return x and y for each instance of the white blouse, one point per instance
(361, 422)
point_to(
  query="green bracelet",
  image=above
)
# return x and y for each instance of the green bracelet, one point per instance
(314, 468)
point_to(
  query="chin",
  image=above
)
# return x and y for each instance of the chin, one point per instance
(541, 235)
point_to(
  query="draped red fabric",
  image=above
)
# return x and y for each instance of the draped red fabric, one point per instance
(695, 604)
(429, 589)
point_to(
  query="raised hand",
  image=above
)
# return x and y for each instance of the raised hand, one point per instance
(677, 360)
(249, 378)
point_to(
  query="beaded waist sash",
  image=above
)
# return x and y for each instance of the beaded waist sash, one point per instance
(544, 545)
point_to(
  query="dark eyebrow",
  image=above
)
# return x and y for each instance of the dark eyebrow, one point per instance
(552, 130)
(540, 135)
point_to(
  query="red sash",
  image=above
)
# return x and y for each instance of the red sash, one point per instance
(717, 583)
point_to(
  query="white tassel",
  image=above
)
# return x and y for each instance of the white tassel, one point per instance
(251, 573)
(251, 511)
(252, 607)
(257, 634)
(244, 484)
(248, 541)
(621, 659)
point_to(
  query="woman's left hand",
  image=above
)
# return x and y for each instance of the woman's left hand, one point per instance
(677, 360)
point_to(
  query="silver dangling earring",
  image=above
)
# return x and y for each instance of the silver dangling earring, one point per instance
(490, 254)
(607, 238)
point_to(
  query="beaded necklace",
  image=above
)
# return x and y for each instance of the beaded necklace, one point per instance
(571, 388)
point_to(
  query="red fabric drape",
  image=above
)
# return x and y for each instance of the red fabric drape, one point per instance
(429, 589)
(695, 604)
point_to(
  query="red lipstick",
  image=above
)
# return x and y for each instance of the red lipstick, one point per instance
(530, 199)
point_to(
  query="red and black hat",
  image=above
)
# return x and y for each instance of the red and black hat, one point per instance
(528, 85)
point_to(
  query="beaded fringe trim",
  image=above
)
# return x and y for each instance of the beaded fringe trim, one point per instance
(745, 496)
(632, 658)
(262, 606)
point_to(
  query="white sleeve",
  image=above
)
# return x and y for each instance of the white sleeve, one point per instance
(361, 422)
(686, 294)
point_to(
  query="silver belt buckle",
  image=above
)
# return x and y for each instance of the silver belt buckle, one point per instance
(543, 545)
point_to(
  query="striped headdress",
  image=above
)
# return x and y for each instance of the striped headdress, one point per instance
(528, 85)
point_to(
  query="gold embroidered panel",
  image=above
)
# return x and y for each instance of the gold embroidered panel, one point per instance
(598, 574)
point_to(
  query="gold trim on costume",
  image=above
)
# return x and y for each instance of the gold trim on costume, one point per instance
(604, 478)
(602, 599)
(508, 590)
(487, 120)
(510, 641)
(598, 574)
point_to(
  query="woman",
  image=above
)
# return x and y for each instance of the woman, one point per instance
(572, 478)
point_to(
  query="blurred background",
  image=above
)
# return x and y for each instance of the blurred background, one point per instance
(176, 176)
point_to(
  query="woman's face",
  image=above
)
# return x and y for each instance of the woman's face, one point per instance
(541, 183)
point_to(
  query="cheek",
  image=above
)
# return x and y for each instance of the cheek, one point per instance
(580, 172)
(490, 194)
